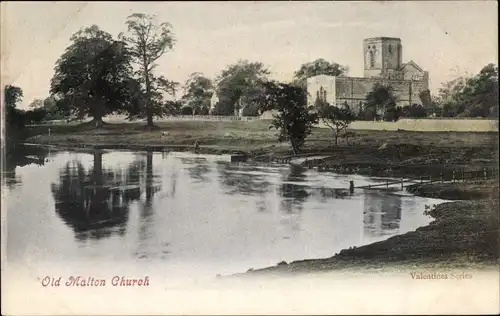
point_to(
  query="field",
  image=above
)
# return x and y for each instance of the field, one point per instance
(369, 152)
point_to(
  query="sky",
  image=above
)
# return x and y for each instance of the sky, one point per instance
(446, 38)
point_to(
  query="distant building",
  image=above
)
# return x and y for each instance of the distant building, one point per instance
(383, 64)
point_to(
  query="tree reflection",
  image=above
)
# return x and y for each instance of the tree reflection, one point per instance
(240, 179)
(294, 195)
(146, 206)
(95, 203)
(382, 213)
(20, 156)
(198, 168)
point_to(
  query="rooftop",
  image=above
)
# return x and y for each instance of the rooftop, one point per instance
(382, 38)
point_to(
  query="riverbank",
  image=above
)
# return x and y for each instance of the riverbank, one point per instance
(376, 153)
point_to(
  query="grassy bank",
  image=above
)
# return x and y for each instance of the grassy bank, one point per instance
(382, 153)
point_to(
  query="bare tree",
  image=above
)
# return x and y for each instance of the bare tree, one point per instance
(148, 41)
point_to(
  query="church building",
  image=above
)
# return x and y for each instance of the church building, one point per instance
(383, 64)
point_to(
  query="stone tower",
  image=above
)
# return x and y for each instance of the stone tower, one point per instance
(383, 57)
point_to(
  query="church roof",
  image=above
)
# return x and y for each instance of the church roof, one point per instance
(382, 38)
(412, 63)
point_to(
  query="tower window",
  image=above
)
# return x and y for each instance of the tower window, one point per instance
(390, 49)
(372, 59)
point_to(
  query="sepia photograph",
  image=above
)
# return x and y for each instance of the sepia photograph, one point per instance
(249, 157)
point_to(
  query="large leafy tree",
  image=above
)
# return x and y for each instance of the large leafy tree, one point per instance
(93, 75)
(471, 96)
(14, 117)
(293, 121)
(318, 67)
(149, 40)
(12, 96)
(380, 102)
(238, 84)
(198, 91)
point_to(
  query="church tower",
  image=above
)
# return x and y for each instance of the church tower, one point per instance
(383, 57)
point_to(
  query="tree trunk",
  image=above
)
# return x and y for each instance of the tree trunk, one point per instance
(294, 147)
(149, 110)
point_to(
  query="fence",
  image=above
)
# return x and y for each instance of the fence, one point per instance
(208, 118)
(428, 125)
(451, 176)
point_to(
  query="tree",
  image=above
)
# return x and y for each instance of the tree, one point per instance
(148, 41)
(37, 112)
(12, 96)
(471, 96)
(93, 75)
(318, 67)
(198, 92)
(187, 110)
(35, 116)
(36, 103)
(414, 111)
(238, 84)
(380, 101)
(293, 120)
(173, 107)
(13, 116)
(158, 106)
(336, 118)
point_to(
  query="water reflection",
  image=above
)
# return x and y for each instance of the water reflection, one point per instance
(382, 213)
(242, 179)
(293, 190)
(209, 214)
(95, 203)
(198, 168)
(20, 156)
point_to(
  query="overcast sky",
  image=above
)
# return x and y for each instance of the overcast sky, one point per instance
(438, 36)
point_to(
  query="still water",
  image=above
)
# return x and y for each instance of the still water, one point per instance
(179, 210)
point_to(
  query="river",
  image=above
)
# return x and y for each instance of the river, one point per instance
(185, 214)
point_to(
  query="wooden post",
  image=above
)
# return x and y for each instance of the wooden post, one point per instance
(485, 174)
(441, 175)
(402, 184)
(351, 187)
(387, 184)
(49, 131)
(421, 179)
(453, 176)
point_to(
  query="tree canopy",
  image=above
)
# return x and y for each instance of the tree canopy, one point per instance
(336, 118)
(293, 121)
(475, 96)
(238, 84)
(380, 103)
(198, 91)
(318, 67)
(12, 96)
(93, 75)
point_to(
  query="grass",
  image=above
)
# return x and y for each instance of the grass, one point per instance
(384, 153)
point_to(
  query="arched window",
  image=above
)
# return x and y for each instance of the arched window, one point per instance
(372, 59)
